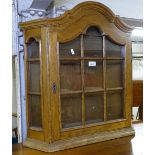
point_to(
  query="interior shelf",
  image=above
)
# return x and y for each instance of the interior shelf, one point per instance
(66, 92)
(93, 89)
(33, 59)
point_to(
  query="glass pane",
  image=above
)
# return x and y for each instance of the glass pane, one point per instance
(112, 49)
(94, 108)
(33, 49)
(70, 49)
(114, 105)
(34, 75)
(93, 30)
(71, 111)
(114, 76)
(70, 76)
(93, 74)
(93, 43)
(35, 111)
(93, 46)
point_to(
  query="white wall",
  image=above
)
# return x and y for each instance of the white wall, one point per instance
(23, 5)
(137, 67)
(14, 95)
(137, 63)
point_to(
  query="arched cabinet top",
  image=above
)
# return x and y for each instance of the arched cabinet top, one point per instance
(80, 11)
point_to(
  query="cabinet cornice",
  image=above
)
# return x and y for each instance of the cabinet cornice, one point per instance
(73, 15)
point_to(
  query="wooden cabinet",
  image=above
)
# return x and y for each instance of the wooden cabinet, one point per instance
(78, 78)
(138, 96)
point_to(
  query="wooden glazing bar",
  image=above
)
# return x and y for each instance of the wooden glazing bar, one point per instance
(41, 84)
(70, 59)
(113, 89)
(92, 58)
(63, 49)
(114, 58)
(104, 79)
(64, 92)
(82, 78)
(83, 58)
(95, 90)
(124, 81)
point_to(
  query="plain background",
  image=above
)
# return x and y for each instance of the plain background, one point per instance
(6, 77)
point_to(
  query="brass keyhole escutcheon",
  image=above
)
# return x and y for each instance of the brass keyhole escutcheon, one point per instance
(54, 88)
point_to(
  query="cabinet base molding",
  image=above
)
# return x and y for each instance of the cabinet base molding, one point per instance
(78, 141)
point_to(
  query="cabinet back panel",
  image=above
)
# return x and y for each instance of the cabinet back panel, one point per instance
(94, 108)
(93, 75)
(114, 76)
(34, 75)
(71, 111)
(70, 76)
(112, 49)
(33, 48)
(35, 111)
(115, 105)
(70, 49)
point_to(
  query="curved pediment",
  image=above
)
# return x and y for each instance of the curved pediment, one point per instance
(75, 14)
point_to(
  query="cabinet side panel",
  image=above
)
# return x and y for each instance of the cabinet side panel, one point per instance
(36, 34)
(54, 84)
(45, 86)
(128, 81)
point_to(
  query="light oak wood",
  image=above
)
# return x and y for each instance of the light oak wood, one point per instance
(46, 85)
(52, 34)
(120, 146)
(138, 96)
(137, 93)
(75, 14)
(54, 78)
(78, 141)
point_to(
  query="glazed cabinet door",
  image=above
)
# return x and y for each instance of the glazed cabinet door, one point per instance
(34, 95)
(91, 74)
(34, 87)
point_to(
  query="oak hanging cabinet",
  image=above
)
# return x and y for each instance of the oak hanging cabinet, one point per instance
(78, 78)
